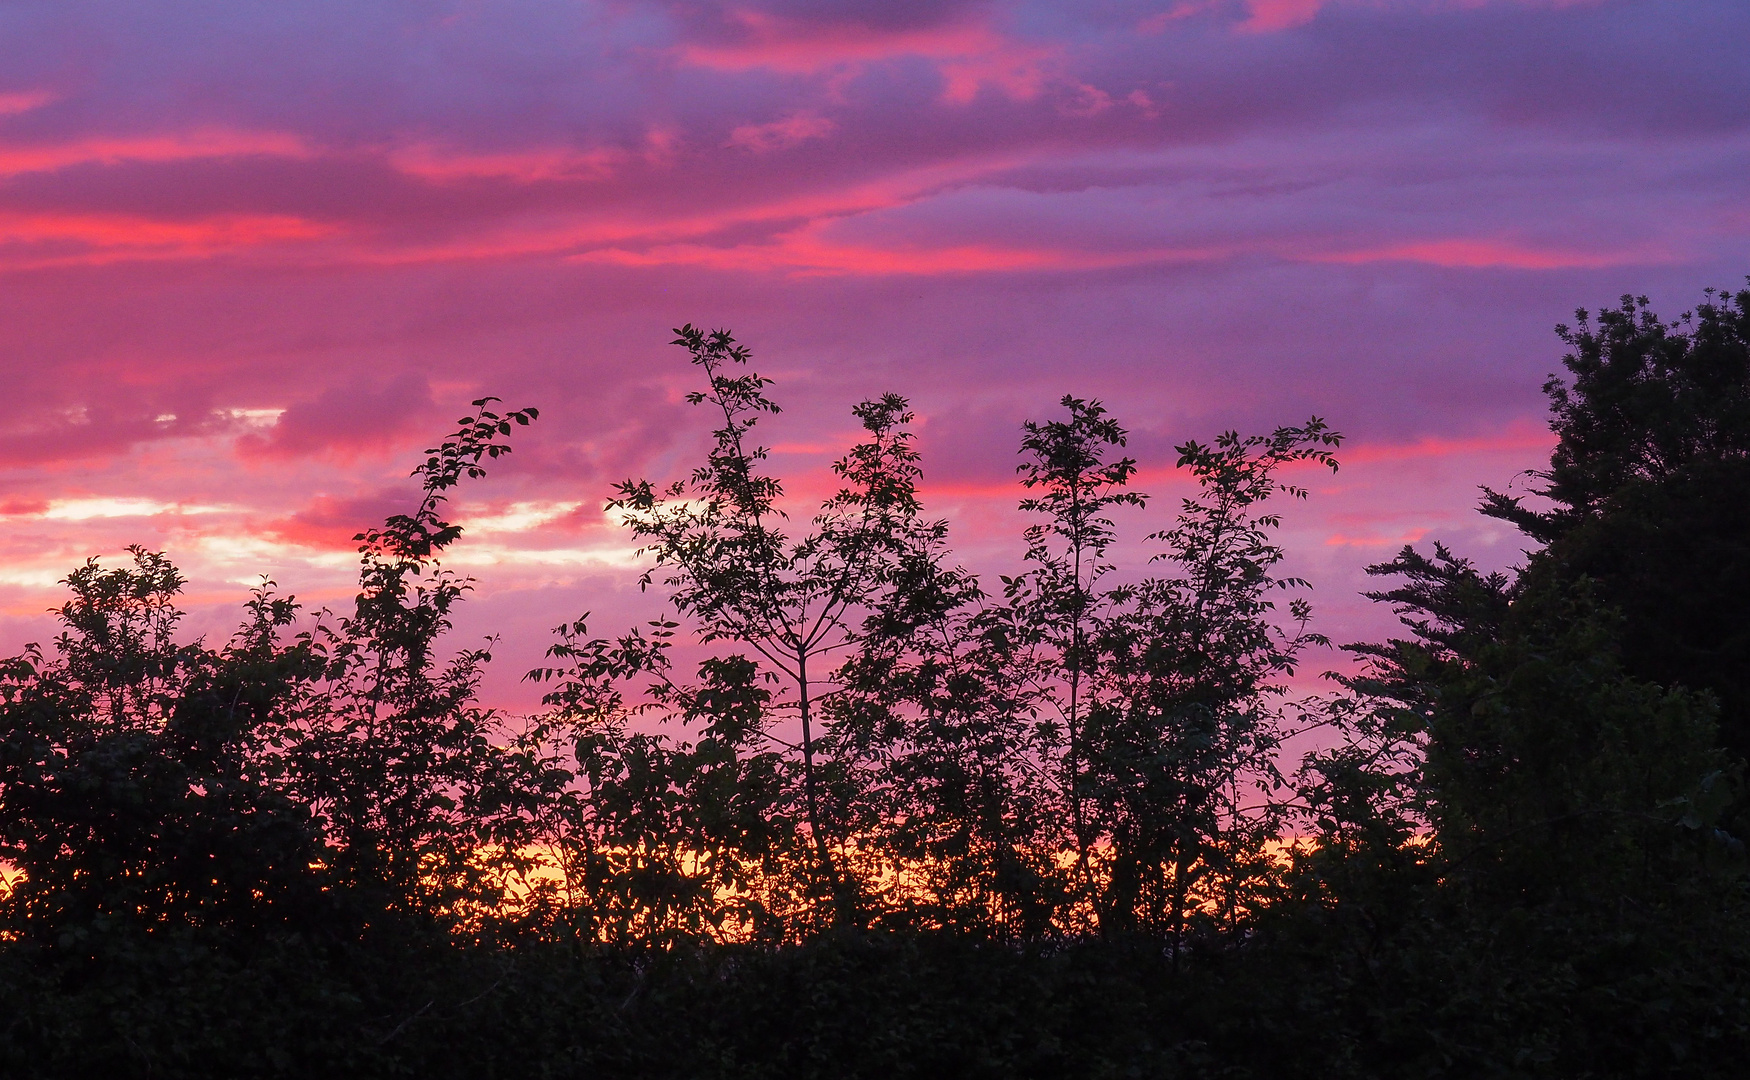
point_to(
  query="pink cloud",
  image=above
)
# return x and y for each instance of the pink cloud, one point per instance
(969, 55)
(359, 417)
(1160, 20)
(330, 522)
(74, 239)
(194, 145)
(781, 134)
(441, 165)
(1517, 438)
(1376, 540)
(22, 101)
(809, 251)
(445, 163)
(1479, 253)
(26, 505)
(1271, 15)
(815, 249)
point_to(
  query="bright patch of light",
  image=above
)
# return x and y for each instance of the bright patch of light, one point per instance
(519, 517)
(27, 578)
(498, 555)
(86, 509)
(255, 552)
(254, 417)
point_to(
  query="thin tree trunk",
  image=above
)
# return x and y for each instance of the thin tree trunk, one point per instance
(1077, 817)
(1180, 869)
(811, 800)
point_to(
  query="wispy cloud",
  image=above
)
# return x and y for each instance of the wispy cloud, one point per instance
(22, 101)
(196, 145)
(781, 134)
(969, 55)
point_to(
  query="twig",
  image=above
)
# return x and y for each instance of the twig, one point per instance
(402, 1026)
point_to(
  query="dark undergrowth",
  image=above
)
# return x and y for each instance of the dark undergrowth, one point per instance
(1521, 998)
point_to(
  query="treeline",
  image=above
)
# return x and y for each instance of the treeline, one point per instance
(850, 809)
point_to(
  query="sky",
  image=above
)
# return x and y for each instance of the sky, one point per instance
(255, 256)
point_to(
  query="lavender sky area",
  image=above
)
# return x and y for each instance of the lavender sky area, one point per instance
(255, 256)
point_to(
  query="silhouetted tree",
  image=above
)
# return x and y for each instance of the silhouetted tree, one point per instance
(1058, 604)
(315, 780)
(1529, 830)
(1184, 739)
(797, 602)
(140, 779)
(398, 761)
(665, 839)
(938, 730)
(1650, 486)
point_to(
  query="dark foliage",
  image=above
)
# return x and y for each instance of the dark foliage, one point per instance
(1649, 486)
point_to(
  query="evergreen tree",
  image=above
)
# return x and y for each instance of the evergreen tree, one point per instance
(1650, 491)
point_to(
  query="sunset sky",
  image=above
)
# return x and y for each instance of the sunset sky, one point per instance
(256, 255)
